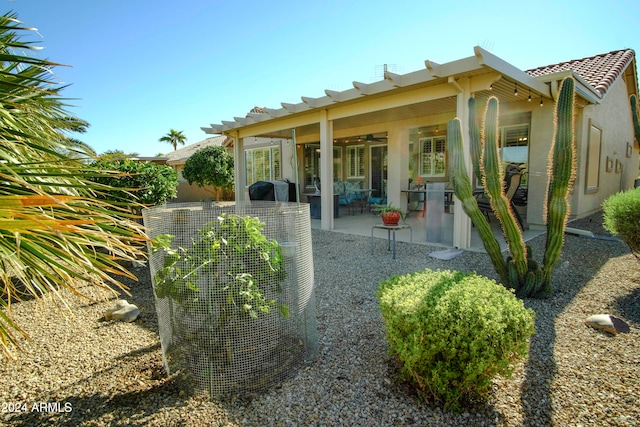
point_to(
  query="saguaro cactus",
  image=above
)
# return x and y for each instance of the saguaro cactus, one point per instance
(561, 172)
(464, 192)
(519, 271)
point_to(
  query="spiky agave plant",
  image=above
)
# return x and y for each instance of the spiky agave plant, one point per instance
(518, 271)
(54, 233)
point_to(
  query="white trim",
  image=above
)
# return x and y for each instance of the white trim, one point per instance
(421, 152)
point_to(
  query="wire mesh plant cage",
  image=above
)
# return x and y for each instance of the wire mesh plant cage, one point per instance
(234, 292)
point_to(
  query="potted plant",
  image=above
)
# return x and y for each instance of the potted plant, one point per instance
(390, 214)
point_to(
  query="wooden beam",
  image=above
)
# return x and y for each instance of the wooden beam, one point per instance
(395, 79)
(489, 60)
(274, 113)
(311, 102)
(258, 117)
(363, 88)
(453, 82)
(211, 130)
(291, 108)
(433, 68)
(334, 95)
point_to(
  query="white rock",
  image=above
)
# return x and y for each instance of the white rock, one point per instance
(122, 311)
(607, 323)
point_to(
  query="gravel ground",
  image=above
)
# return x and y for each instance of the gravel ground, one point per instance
(84, 371)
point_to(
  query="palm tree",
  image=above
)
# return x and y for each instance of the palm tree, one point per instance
(54, 232)
(174, 137)
(74, 147)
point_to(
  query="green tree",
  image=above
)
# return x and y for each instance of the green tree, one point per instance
(74, 147)
(210, 166)
(54, 233)
(174, 137)
(112, 155)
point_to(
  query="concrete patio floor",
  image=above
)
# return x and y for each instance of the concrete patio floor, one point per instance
(361, 223)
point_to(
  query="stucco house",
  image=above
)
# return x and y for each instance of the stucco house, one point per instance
(388, 133)
(193, 193)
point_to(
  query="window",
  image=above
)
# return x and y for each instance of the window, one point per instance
(433, 159)
(311, 164)
(515, 136)
(514, 143)
(593, 159)
(262, 164)
(355, 162)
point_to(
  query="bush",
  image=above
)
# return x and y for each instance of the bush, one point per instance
(210, 166)
(138, 183)
(622, 217)
(453, 332)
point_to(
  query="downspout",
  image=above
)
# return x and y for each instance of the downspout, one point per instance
(555, 89)
(295, 167)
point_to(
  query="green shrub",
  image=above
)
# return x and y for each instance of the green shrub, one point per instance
(210, 166)
(453, 332)
(136, 183)
(622, 217)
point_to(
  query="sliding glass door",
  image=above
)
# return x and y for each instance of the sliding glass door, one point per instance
(378, 167)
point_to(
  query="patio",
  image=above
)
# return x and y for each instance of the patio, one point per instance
(360, 224)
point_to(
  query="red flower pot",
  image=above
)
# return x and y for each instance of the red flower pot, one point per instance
(390, 218)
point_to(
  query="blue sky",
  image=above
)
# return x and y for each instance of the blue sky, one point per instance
(138, 68)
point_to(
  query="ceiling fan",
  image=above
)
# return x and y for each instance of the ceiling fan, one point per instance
(370, 138)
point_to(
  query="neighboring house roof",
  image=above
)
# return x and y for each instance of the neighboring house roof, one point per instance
(179, 156)
(160, 160)
(600, 71)
(257, 110)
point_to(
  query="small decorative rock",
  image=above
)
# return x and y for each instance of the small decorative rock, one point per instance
(607, 323)
(122, 311)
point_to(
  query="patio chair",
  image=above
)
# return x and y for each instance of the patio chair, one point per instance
(353, 195)
(373, 201)
(344, 198)
(513, 182)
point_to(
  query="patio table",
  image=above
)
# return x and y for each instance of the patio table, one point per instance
(448, 198)
(422, 190)
(391, 229)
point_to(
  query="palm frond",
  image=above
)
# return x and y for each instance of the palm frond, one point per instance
(55, 234)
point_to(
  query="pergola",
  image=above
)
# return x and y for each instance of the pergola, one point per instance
(429, 96)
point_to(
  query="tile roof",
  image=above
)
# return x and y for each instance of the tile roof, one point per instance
(182, 154)
(600, 71)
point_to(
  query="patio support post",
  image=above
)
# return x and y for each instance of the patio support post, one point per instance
(398, 164)
(239, 167)
(326, 171)
(461, 222)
